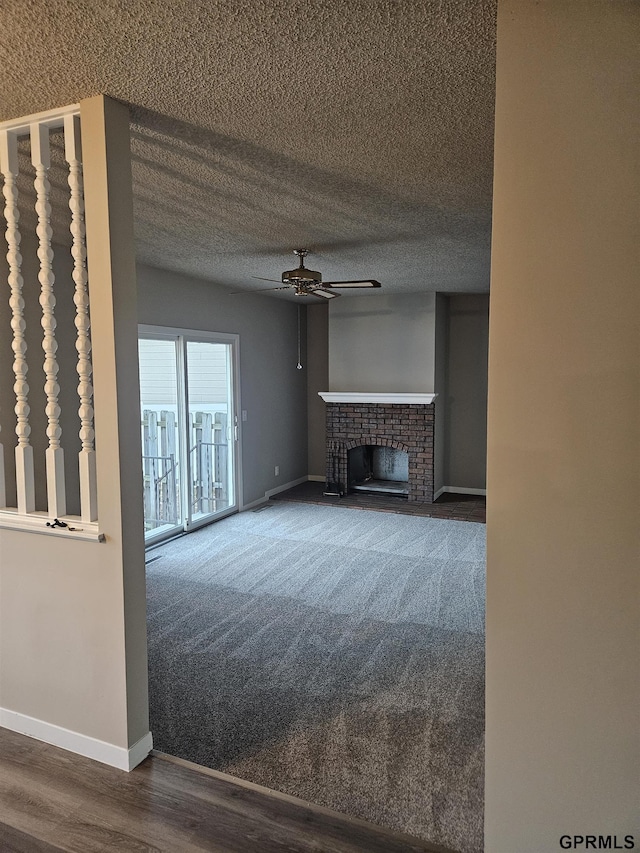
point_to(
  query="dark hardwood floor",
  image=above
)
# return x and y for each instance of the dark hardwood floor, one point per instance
(454, 507)
(52, 800)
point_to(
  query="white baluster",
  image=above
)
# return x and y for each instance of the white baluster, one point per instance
(87, 456)
(56, 498)
(25, 487)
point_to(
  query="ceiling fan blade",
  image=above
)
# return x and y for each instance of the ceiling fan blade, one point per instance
(370, 282)
(325, 294)
(263, 290)
(259, 277)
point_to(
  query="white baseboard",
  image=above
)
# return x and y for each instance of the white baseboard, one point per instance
(253, 504)
(316, 478)
(139, 751)
(98, 750)
(285, 486)
(459, 490)
(271, 492)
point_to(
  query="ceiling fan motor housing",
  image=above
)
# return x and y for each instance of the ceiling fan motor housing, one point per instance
(302, 275)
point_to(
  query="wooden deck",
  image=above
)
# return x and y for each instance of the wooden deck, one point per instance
(52, 800)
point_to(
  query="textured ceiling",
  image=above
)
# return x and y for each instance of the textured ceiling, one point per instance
(362, 130)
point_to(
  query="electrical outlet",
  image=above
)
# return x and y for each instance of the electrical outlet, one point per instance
(277, 471)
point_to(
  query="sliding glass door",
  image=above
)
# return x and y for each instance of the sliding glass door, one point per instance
(161, 437)
(211, 428)
(189, 429)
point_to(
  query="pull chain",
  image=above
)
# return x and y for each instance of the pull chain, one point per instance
(298, 365)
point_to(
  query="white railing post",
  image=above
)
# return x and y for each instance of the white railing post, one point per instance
(25, 484)
(87, 455)
(56, 497)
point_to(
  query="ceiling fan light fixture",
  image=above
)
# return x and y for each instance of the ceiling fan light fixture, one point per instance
(302, 275)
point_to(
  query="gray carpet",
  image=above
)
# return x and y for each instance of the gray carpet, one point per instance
(333, 654)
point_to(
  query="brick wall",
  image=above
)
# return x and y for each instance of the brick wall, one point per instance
(403, 427)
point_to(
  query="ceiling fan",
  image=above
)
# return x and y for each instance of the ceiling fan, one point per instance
(307, 282)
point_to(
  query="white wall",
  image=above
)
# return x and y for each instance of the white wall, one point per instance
(380, 342)
(273, 391)
(563, 485)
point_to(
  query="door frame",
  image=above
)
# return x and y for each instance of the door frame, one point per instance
(199, 336)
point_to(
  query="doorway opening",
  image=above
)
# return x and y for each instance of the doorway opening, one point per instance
(189, 429)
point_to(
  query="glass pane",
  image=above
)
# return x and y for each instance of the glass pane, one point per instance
(210, 428)
(160, 435)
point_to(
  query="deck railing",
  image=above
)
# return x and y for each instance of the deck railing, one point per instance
(208, 462)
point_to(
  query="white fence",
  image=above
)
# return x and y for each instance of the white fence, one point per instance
(208, 465)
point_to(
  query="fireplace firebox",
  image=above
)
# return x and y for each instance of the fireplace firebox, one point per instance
(378, 469)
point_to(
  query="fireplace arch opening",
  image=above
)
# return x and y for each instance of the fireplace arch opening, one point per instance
(373, 468)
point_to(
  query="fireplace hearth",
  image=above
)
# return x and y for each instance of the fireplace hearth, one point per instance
(370, 436)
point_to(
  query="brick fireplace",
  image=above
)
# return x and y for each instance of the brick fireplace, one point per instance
(399, 421)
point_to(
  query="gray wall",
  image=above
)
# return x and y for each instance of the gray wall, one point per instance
(465, 420)
(273, 392)
(317, 367)
(380, 342)
(440, 387)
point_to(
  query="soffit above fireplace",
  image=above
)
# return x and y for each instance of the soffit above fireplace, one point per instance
(376, 397)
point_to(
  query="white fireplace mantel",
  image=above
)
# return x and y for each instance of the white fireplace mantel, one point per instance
(375, 397)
